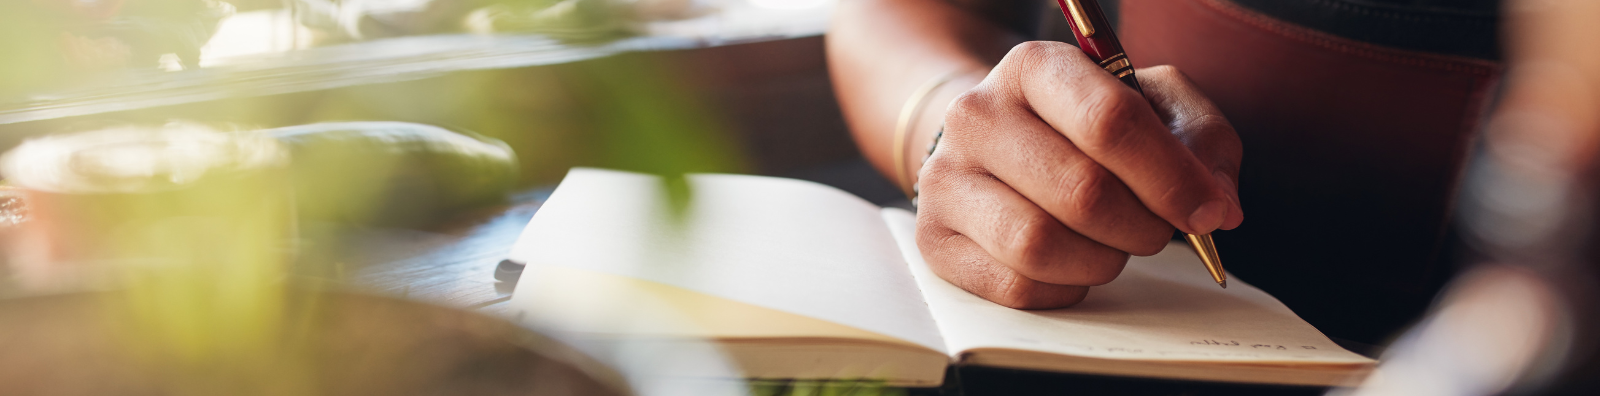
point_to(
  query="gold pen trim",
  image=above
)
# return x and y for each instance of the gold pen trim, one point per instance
(1079, 17)
(1118, 66)
(1114, 58)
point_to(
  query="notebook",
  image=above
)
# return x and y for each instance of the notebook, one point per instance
(796, 280)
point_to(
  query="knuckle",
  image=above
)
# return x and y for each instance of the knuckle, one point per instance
(1030, 46)
(971, 106)
(933, 215)
(933, 238)
(1089, 198)
(1085, 191)
(1108, 115)
(1034, 56)
(1016, 292)
(933, 173)
(1215, 123)
(1022, 293)
(935, 178)
(1162, 71)
(1032, 50)
(1217, 135)
(1099, 268)
(1150, 241)
(1032, 245)
(1167, 76)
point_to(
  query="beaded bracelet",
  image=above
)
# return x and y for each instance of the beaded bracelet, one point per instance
(903, 126)
(916, 188)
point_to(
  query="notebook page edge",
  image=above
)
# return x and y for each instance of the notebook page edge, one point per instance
(931, 285)
(565, 196)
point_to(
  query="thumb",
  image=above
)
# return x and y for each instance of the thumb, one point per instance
(1201, 126)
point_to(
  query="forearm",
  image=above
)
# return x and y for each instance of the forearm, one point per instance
(881, 51)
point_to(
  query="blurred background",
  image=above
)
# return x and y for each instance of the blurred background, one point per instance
(306, 196)
(522, 71)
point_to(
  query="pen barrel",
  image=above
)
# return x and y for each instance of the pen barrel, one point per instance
(1132, 82)
(1096, 38)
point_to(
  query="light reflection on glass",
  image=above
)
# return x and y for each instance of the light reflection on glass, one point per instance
(788, 4)
(255, 32)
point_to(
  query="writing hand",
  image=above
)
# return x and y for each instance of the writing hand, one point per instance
(1051, 173)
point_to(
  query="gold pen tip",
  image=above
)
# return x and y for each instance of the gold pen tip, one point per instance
(1224, 283)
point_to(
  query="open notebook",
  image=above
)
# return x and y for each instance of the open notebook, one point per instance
(794, 279)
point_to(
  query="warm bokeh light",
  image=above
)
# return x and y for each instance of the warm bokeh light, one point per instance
(186, 177)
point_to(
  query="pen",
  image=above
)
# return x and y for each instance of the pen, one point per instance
(1095, 37)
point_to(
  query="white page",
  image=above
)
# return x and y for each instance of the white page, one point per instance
(1164, 307)
(785, 244)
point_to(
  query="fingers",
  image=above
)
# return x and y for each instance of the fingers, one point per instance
(1014, 232)
(1116, 127)
(1031, 158)
(1200, 126)
(959, 260)
(1052, 172)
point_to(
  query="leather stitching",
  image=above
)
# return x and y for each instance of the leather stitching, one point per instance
(1479, 68)
(1464, 18)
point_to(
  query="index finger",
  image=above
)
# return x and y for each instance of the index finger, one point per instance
(1115, 126)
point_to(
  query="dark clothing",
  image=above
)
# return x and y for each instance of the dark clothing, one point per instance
(1452, 27)
(1356, 119)
(1352, 156)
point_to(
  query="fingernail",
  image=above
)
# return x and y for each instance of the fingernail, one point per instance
(1208, 217)
(1229, 187)
(1224, 180)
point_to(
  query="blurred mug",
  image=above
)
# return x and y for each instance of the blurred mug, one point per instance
(144, 197)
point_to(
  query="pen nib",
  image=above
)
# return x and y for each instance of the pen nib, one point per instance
(1207, 250)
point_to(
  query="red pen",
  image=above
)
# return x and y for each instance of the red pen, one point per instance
(1093, 30)
(1097, 40)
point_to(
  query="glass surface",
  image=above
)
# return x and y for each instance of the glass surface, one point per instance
(83, 57)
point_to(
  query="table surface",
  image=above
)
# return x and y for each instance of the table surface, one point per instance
(451, 265)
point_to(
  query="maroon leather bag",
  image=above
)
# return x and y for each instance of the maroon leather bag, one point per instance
(1353, 153)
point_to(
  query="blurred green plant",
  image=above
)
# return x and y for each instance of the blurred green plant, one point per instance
(393, 173)
(48, 42)
(203, 257)
(194, 226)
(649, 121)
(30, 41)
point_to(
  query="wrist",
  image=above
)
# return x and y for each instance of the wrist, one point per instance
(911, 114)
(931, 120)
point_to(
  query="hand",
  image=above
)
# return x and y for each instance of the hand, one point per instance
(1051, 172)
